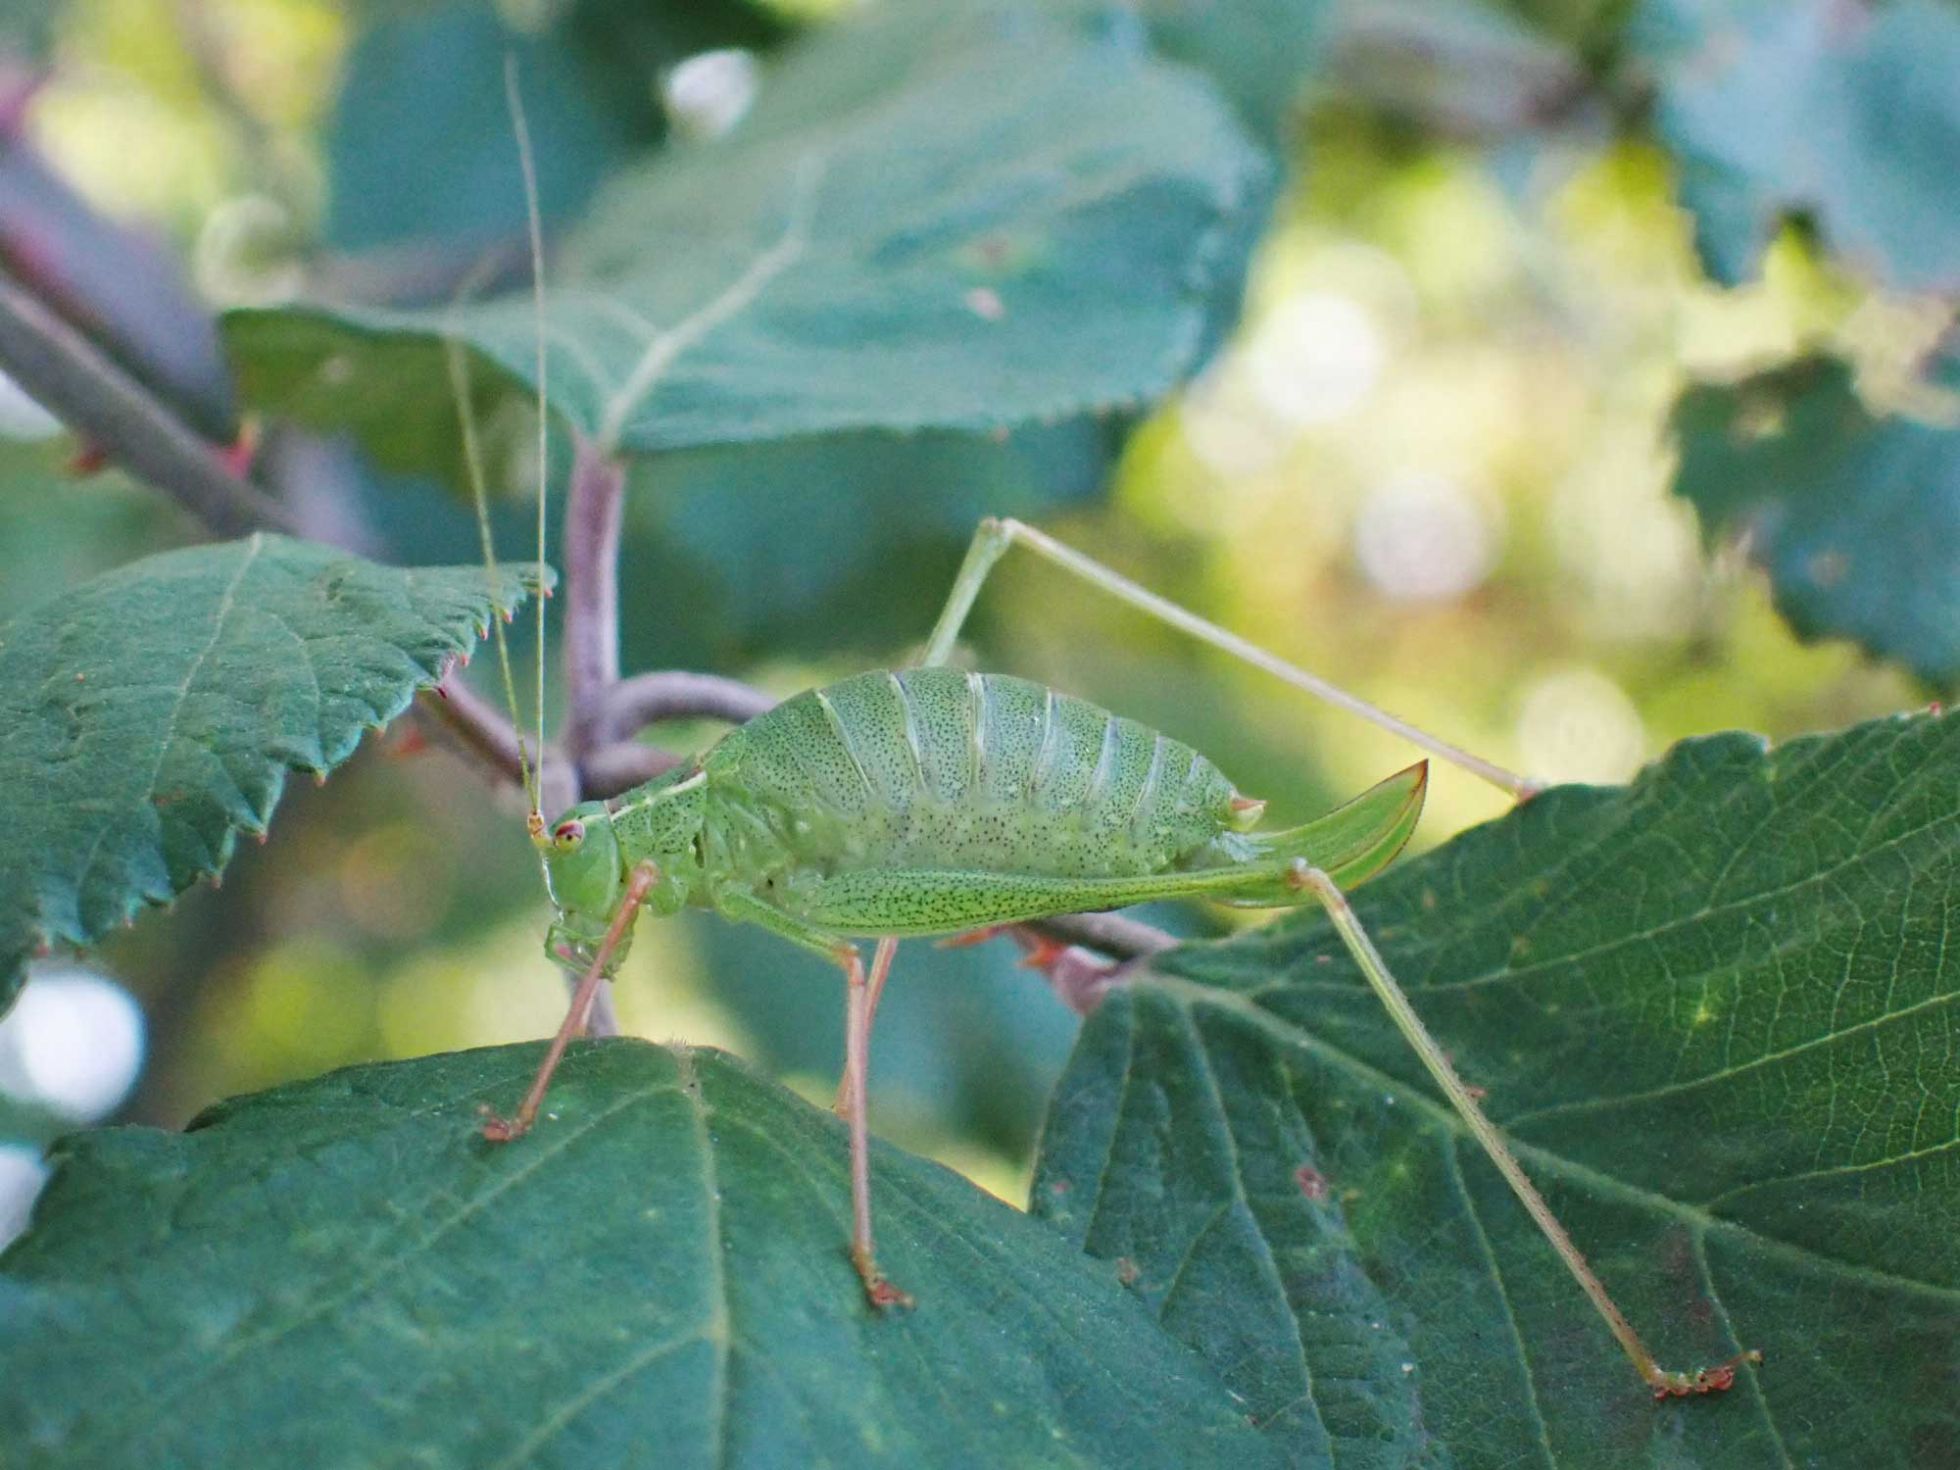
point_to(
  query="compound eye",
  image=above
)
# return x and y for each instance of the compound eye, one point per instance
(568, 835)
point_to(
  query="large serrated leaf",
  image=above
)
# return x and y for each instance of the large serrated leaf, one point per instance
(967, 216)
(1845, 115)
(342, 1273)
(1856, 517)
(1719, 1010)
(150, 715)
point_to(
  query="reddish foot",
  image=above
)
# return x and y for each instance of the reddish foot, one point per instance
(502, 1130)
(879, 1292)
(238, 455)
(883, 1295)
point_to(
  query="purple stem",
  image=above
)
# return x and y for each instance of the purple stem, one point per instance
(84, 387)
(592, 528)
(648, 699)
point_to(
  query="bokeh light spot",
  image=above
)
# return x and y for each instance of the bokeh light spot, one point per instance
(1424, 538)
(73, 1044)
(1315, 359)
(1578, 725)
(708, 94)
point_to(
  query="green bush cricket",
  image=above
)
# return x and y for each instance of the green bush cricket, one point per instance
(930, 801)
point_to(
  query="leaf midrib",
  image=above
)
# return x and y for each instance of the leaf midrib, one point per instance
(129, 902)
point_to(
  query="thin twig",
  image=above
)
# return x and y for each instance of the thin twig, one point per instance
(477, 728)
(85, 388)
(1112, 934)
(1080, 980)
(647, 699)
(594, 515)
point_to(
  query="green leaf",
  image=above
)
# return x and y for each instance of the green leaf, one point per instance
(420, 146)
(730, 561)
(960, 217)
(28, 1125)
(342, 1273)
(1258, 53)
(1855, 517)
(1846, 115)
(150, 715)
(1716, 1009)
(422, 99)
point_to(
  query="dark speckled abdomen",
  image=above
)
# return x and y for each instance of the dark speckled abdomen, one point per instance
(937, 769)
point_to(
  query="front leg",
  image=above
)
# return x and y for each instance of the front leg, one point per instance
(505, 1130)
(741, 905)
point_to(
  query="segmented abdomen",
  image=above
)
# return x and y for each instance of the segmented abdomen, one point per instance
(935, 768)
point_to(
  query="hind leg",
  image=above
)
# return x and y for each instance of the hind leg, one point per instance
(990, 543)
(1664, 1382)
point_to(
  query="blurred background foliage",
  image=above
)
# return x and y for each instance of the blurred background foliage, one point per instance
(1530, 269)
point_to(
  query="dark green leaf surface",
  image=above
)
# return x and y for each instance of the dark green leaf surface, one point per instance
(1847, 115)
(420, 147)
(846, 541)
(1259, 53)
(1718, 1011)
(422, 99)
(341, 1273)
(150, 715)
(960, 217)
(26, 1125)
(1855, 517)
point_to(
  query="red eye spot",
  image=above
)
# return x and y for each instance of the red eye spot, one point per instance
(568, 834)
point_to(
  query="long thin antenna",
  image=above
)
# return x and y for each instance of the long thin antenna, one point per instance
(459, 386)
(533, 216)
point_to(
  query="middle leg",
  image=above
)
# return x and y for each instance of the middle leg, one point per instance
(878, 1290)
(881, 970)
(743, 906)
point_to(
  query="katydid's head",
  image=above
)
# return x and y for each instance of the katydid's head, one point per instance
(585, 874)
(593, 850)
